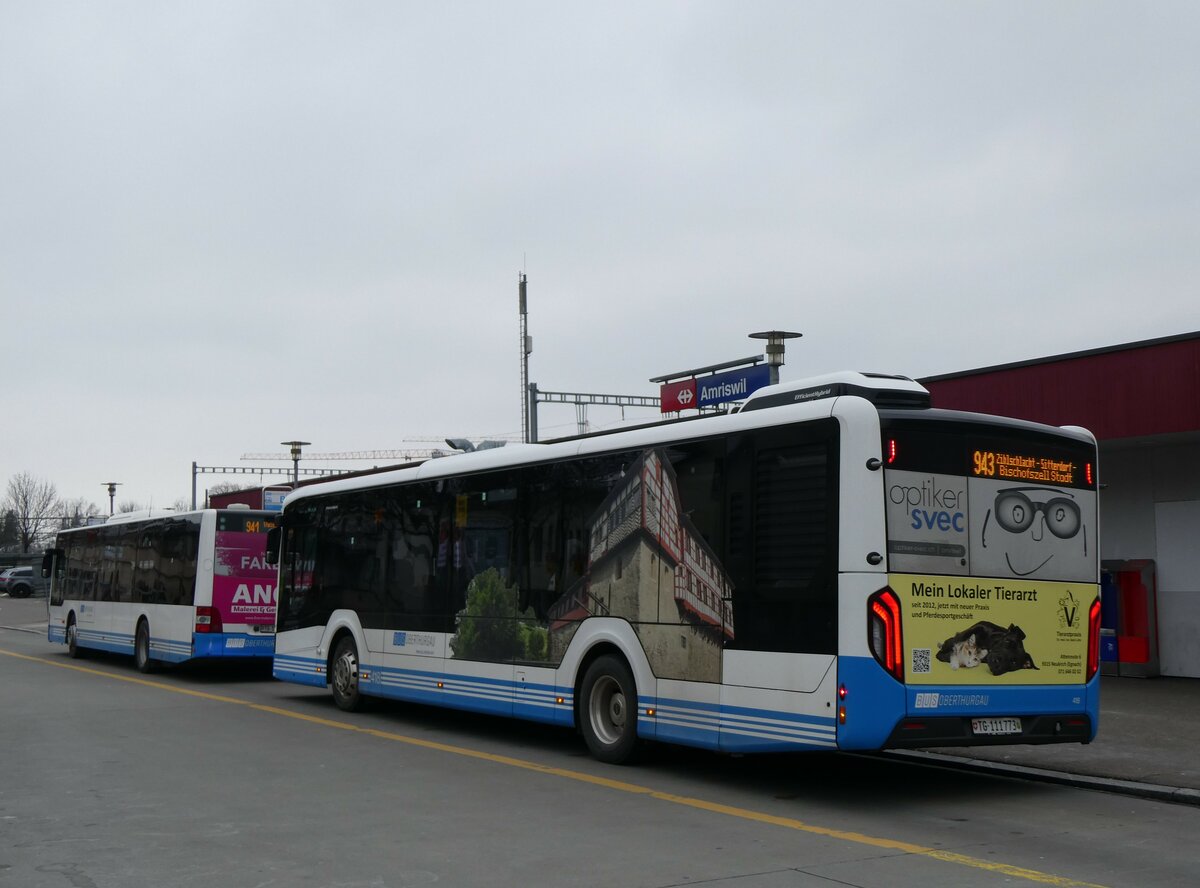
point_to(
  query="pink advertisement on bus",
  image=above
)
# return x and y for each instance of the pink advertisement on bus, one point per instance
(243, 582)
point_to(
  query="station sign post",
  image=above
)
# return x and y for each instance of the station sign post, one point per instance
(691, 391)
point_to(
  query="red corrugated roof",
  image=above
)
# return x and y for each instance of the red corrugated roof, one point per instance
(1140, 388)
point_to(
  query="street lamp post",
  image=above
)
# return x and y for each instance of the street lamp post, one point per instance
(295, 445)
(775, 340)
(112, 493)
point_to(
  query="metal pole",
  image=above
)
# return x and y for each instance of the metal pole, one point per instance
(526, 348)
(533, 403)
(193, 485)
(112, 494)
(295, 445)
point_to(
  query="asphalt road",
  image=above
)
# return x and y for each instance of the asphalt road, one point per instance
(218, 776)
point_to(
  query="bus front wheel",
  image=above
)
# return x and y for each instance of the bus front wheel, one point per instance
(343, 676)
(610, 709)
(141, 648)
(73, 648)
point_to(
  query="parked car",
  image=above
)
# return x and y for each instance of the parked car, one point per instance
(21, 582)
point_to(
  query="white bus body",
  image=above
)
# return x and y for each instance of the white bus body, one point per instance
(165, 586)
(738, 583)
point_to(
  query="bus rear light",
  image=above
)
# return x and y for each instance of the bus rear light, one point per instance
(208, 620)
(892, 451)
(884, 633)
(1093, 659)
(842, 692)
(841, 715)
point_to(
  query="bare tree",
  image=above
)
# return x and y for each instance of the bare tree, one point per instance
(229, 487)
(129, 506)
(76, 512)
(35, 506)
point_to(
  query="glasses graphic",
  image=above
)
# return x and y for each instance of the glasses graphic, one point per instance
(1015, 512)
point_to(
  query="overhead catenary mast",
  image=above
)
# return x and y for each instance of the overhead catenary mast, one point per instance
(526, 349)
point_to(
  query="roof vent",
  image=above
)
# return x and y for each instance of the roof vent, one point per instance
(882, 390)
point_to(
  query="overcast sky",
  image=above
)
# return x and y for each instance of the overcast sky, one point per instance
(226, 225)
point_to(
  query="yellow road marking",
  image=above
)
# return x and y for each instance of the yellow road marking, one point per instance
(579, 776)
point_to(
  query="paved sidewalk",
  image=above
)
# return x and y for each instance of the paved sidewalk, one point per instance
(1149, 741)
(23, 613)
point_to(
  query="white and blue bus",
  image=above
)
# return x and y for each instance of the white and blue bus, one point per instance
(165, 586)
(836, 565)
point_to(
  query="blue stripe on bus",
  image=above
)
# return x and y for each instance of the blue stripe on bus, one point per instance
(169, 650)
(301, 670)
(707, 725)
(233, 644)
(114, 642)
(740, 728)
(977, 700)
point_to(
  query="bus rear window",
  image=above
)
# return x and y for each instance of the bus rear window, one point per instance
(977, 500)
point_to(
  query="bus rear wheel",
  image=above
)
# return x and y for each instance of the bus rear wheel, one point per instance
(343, 676)
(609, 712)
(141, 648)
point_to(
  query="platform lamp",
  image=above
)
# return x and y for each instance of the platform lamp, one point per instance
(112, 494)
(775, 344)
(295, 445)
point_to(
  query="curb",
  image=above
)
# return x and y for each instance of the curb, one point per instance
(32, 630)
(1177, 794)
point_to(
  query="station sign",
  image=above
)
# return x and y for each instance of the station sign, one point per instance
(709, 391)
(676, 396)
(732, 385)
(273, 500)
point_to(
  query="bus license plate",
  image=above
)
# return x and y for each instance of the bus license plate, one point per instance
(995, 726)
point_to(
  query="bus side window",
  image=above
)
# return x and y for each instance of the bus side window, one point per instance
(781, 550)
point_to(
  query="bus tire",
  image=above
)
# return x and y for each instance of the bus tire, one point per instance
(73, 649)
(609, 710)
(343, 676)
(141, 648)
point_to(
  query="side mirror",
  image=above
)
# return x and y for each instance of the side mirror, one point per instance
(274, 542)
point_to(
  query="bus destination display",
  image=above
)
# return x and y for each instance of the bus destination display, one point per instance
(1018, 467)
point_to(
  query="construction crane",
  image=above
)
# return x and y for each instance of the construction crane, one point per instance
(417, 453)
(404, 454)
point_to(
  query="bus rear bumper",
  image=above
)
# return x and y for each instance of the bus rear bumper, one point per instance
(915, 732)
(229, 644)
